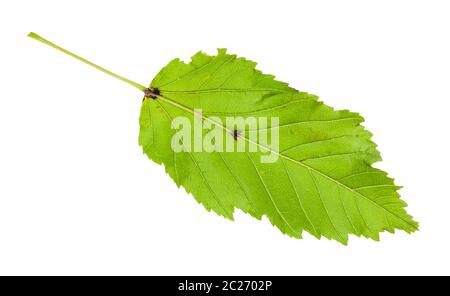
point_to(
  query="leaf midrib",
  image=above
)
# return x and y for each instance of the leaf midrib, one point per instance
(267, 149)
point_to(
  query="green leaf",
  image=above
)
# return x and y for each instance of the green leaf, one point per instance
(323, 181)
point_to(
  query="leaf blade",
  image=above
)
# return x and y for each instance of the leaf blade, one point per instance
(328, 150)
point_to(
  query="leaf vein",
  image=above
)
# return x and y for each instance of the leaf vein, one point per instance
(270, 195)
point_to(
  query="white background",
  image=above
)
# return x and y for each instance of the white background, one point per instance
(78, 197)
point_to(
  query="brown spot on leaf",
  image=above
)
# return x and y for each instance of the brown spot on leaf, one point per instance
(236, 134)
(151, 93)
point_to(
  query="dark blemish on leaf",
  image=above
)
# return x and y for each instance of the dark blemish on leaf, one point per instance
(236, 134)
(151, 93)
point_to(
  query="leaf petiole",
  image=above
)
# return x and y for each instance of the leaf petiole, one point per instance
(51, 44)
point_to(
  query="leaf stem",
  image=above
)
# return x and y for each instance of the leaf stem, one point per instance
(51, 44)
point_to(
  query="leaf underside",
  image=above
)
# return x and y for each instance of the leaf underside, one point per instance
(324, 183)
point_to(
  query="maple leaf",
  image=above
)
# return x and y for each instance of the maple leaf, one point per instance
(321, 179)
